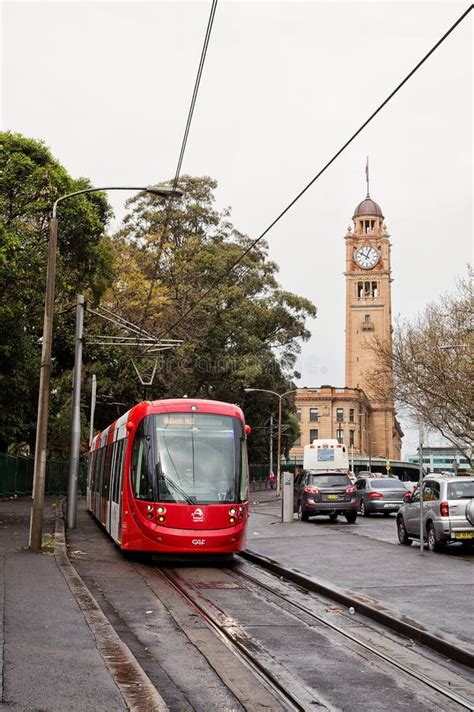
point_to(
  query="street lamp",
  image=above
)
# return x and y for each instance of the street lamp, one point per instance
(279, 396)
(36, 520)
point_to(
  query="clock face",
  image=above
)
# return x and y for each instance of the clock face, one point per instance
(366, 257)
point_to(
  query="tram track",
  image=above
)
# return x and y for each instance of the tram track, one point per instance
(282, 686)
(449, 694)
(241, 640)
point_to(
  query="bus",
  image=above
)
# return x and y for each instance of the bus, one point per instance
(324, 455)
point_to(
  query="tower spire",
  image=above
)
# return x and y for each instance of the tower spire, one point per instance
(367, 176)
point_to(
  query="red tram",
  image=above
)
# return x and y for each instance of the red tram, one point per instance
(171, 476)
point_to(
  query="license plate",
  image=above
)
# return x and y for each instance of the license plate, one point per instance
(464, 535)
(333, 496)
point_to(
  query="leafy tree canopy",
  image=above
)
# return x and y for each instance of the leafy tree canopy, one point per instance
(30, 181)
(245, 333)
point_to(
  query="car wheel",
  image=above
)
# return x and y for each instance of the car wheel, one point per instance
(433, 543)
(351, 517)
(302, 513)
(333, 517)
(403, 537)
(363, 509)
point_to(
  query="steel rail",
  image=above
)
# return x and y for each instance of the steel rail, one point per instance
(420, 677)
(290, 702)
(369, 608)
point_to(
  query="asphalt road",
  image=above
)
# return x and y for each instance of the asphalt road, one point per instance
(432, 588)
(163, 632)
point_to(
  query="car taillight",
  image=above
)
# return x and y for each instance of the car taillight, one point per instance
(311, 490)
(375, 495)
(406, 495)
(351, 489)
(444, 509)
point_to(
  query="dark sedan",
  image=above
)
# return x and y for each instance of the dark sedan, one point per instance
(380, 495)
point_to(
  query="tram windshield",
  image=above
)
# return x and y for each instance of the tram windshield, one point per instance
(193, 458)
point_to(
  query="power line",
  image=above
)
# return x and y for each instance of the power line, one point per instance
(169, 204)
(196, 89)
(218, 281)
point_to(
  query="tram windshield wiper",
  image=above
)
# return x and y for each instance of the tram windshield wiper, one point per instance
(169, 481)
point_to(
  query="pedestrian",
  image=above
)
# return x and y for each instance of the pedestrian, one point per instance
(271, 480)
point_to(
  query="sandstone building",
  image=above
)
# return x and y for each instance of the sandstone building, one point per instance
(367, 427)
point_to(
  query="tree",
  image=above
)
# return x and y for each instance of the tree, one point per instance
(245, 332)
(30, 181)
(431, 363)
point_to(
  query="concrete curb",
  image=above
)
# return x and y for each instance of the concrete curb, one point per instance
(372, 608)
(135, 686)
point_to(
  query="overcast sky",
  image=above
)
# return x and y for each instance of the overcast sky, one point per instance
(107, 86)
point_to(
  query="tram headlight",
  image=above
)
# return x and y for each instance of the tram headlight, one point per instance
(232, 511)
(149, 507)
(161, 518)
(161, 510)
(232, 520)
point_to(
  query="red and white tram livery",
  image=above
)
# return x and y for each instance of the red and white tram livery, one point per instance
(171, 476)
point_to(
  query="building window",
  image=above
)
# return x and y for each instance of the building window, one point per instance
(367, 290)
(340, 435)
(351, 438)
(351, 415)
(313, 435)
(339, 415)
(297, 441)
(313, 415)
(298, 416)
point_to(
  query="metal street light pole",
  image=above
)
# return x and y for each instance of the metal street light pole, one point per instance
(420, 457)
(271, 443)
(93, 400)
(36, 519)
(76, 419)
(280, 396)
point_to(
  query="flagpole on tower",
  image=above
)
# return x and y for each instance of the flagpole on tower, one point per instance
(367, 175)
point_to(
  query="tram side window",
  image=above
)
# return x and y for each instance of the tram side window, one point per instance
(244, 475)
(142, 465)
(118, 469)
(99, 470)
(106, 477)
(92, 465)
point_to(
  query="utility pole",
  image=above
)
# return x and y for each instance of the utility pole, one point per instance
(420, 454)
(93, 400)
(36, 519)
(76, 418)
(271, 444)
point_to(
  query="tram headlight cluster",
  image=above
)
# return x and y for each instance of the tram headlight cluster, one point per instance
(161, 511)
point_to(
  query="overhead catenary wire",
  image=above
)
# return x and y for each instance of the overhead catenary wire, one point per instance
(217, 283)
(184, 142)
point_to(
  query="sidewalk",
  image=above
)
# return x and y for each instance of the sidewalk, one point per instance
(434, 589)
(50, 660)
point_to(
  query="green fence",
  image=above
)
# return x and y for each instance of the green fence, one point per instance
(16, 476)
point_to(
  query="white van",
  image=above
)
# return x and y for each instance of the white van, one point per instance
(325, 455)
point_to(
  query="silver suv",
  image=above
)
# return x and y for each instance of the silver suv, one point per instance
(448, 513)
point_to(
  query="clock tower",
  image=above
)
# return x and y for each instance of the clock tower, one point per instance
(369, 314)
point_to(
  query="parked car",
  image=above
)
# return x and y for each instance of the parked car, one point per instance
(448, 513)
(330, 493)
(382, 495)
